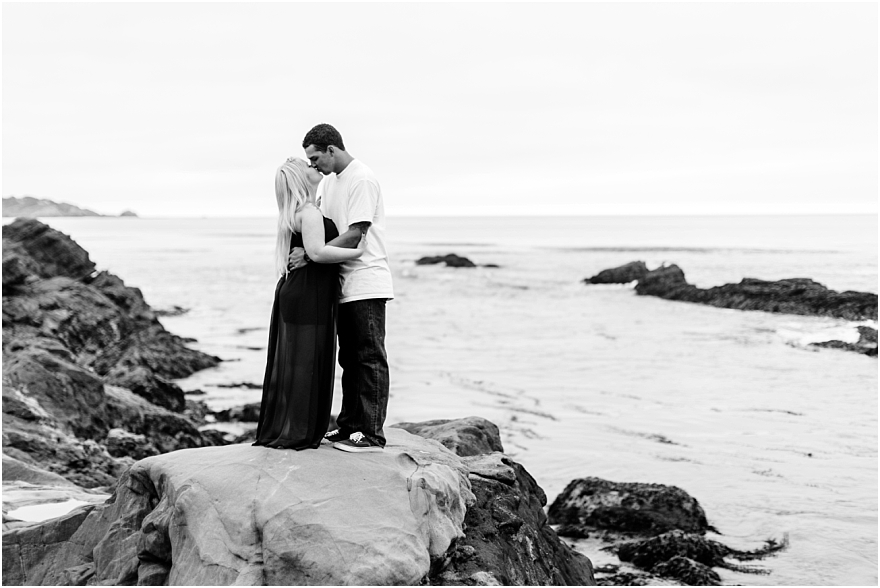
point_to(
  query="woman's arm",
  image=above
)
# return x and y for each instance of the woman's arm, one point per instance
(313, 239)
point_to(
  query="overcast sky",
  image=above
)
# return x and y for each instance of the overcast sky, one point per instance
(692, 108)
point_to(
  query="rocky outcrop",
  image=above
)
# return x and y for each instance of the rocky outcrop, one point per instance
(71, 339)
(624, 274)
(659, 529)
(56, 299)
(594, 503)
(791, 296)
(253, 515)
(451, 260)
(413, 514)
(464, 437)
(867, 343)
(30, 207)
(508, 541)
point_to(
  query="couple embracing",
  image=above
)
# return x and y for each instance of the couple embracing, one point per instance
(331, 284)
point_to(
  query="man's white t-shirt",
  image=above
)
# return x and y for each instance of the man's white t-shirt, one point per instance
(354, 196)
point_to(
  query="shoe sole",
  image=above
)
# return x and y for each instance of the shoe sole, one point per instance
(350, 449)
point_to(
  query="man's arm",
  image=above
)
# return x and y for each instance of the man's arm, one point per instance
(349, 240)
(352, 236)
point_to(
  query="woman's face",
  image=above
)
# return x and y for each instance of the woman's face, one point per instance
(313, 176)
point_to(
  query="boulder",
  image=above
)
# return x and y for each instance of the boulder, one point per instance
(464, 437)
(17, 471)
(254, 515)
(248, 413)
(630, 272)
(688, 571)
(594, 503)
(55, 253)
(508, 541)
(451, 260)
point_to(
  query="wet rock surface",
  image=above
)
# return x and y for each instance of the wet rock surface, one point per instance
(658, 529)
(86, 365)
(801, 296)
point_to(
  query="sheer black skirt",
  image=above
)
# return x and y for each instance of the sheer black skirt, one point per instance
(301, 363)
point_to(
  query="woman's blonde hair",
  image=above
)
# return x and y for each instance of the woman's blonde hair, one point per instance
(291, 192)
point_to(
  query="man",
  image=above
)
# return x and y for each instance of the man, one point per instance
(350, 196)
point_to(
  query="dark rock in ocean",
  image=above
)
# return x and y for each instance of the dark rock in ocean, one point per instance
(451, 260)
(791, 296)
(594, 503)
(507, 539)
(867, 343)
(248, 413)
(128, 213)
(173, 311)
(464, 437)
(248, 385)
(68, 336)
(649, 553)
(688, 571)
(624, 274)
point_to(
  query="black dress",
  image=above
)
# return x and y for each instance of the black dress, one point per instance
(298, 386)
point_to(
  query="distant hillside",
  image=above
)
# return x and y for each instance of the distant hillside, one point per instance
(30, 207)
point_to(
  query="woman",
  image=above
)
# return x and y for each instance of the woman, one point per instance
(298, 386)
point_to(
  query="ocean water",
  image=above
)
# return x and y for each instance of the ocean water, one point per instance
(774, 438)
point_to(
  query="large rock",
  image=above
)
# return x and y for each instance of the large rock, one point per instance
(594, 503)
(249, 515)
(507, 538)
(67, 335)
(630, 272)
(451, 260)
(105, 326)
(791, 296)
(464, 437)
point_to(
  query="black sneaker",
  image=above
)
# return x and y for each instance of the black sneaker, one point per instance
(334, 436)
(357, 443)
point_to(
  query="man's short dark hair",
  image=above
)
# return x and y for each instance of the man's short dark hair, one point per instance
(322, 136)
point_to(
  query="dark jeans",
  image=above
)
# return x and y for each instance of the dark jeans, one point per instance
(361, 329)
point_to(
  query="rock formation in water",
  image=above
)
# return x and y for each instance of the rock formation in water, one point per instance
(867, 343)
(86, 365)
(451, 260)
(659, 529)
(415, 513)
(624, 274)
(792, 296)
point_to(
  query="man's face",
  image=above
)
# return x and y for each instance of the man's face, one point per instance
(321, 160)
